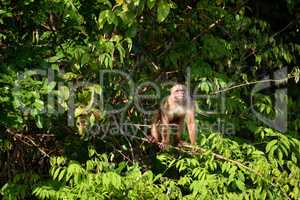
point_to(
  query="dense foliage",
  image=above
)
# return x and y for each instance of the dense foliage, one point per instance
(75, 73)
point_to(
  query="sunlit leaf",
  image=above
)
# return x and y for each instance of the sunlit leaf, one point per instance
(163, 10)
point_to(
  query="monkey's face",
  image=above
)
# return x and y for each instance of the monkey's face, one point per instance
(178, 92)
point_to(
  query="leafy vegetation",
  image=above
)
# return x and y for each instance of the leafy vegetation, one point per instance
(79, 81)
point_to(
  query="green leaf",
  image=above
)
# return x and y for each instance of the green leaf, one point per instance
(79, 111)
(62, 174)
(55, 58)
(157, 177)
(38, 104)
(102, 18)
(112, 18)
(39, 122)
(121, 51)
(271, 153)
(107, 16)
(56, 173)
(60, 160)
(258, 59)
(84, 59)
(270, 145)
(151, 3)
(69, 76)
(280, 157)
(97, 89)
(92, 119)
(240, 184)
(294, 157)
(48, 87)
(113, 179)
(162, 10)
(204, 87)
(64, 92)
(129, 43)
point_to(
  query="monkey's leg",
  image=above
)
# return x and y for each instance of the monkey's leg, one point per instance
(165, 137)
(165, 133)
(178, 140)
(191, 127)
(155, 133)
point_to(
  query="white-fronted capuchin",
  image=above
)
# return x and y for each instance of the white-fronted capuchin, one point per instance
(175, 110)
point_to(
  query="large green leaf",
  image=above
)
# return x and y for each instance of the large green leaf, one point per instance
(163, 10)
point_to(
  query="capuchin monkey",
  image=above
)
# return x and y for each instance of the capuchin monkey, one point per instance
(175, 110)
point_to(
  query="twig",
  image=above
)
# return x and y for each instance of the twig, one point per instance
(209, 27)
(280, 31)
(124, 156)
(20, 136)
(129, 143)
(146, 125)
(250, 83)
(34, 144)
(39, 135)
(219, 157)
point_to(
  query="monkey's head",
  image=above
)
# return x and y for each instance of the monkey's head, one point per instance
(178, 93)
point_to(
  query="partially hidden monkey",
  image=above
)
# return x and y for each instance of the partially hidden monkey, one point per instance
(175, 110)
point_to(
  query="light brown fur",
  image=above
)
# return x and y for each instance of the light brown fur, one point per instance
(176, 109)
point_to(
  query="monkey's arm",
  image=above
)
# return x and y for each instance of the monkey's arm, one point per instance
(191, 126)
(155, 132)
(165, 131)
(155, 127)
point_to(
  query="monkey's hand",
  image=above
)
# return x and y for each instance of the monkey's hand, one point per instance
(151, 139)
(181, 143)
(162, 145)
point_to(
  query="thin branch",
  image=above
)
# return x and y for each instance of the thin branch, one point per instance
(146, 125)
(32, 143)
(280, 31)
(208, 29)
(217, 156)
(124, 156)
(129, 143)
(251, 83)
